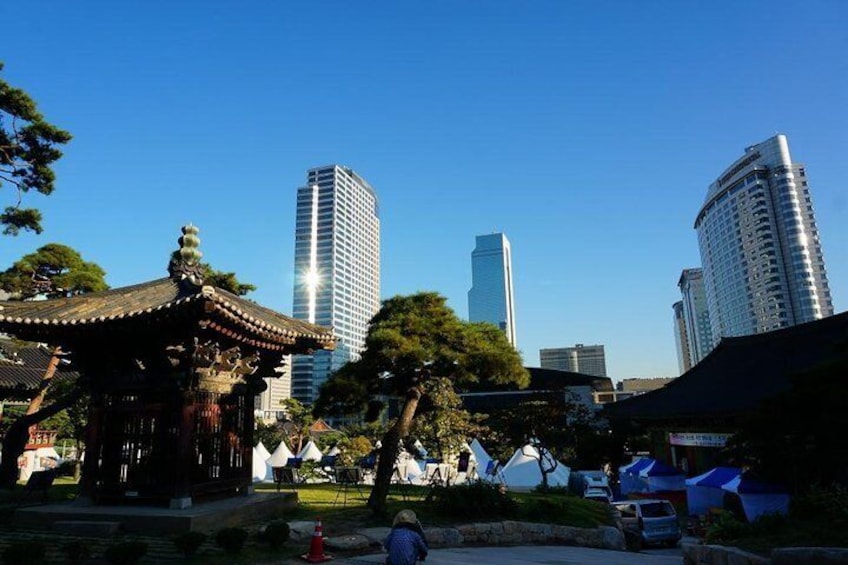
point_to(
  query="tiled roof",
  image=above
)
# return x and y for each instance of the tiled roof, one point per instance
(151, 298)
(740, 373)
(23, 366)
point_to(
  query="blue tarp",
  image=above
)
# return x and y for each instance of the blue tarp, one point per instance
(758, 498)
(659, 469)
(704, 491)
(629, 476)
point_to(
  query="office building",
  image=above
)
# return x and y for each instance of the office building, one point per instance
(681, 340)
(337, 269)
(490, 298)
(760, 249)
(696, 316)
(269, 402)
(585, 359)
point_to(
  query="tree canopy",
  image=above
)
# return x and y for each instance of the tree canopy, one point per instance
(53, 270)
(412, 342)
(28, 149)
(226, 281)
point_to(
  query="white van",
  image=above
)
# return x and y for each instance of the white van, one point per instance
(655, 520)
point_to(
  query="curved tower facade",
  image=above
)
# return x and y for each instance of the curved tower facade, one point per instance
(760, 249)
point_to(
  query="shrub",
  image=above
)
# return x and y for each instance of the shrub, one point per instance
(275, 534)
(77, 551)
(231, 540)
(554, 489)
(24, 552)
(189, 542)
(828, 503)
(474, 501)
(126, 553)
(725, 528)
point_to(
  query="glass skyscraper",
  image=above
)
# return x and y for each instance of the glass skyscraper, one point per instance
(760, 249)
(337, 269)
(696, 316)
(681, 340)
(490, 298)
(585, 359)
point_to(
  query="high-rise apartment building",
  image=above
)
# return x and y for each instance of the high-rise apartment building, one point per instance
(696, 316)
(337, 269)
(586, 359)
(681, 340)
(760, 249)
(490, 298)
(269, 402)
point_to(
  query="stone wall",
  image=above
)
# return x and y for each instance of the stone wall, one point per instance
(720, 555)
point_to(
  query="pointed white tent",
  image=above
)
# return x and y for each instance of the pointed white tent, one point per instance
(522, 470)
(334, 451)
(310, 452)
(280, 456)
(480, 454)
(262, 451)
(261, 468)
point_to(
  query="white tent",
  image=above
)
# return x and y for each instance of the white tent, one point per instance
(310, 452)
(262, 451)
(281, 456)
(480, 454)
(334, 451)
(261, 468)
(522, 470)
(420, 447)
(758, 498)
(704, 491)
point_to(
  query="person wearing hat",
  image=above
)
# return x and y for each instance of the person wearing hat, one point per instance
(406, 543)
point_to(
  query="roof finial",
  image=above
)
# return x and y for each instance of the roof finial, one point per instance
(185, 262)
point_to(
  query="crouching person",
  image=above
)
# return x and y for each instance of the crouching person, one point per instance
(406, 543)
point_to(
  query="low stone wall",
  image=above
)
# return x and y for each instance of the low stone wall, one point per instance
(512, 533)
(720, 555)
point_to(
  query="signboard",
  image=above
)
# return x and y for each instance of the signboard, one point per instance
(698, 439)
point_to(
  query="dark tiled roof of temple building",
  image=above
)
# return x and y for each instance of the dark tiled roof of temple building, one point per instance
(740, 373)
(22, 365)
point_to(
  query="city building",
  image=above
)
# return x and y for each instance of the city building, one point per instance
(269, 403)
(337, 269)
(490, 298)
(695, 314)
(760, 249)
(681, 340)
(586, 359)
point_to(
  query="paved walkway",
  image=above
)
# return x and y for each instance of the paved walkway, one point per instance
(541, 555)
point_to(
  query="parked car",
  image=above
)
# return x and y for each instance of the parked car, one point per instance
(655, 520)
(598, 494)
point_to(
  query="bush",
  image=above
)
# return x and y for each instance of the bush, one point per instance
(275, 534)
(554, 489)
(725, 528)
(126, 553)
(828, 503)
(231, 540)
(474, 501)
(189, 542)
(24, 552)
(77, 551)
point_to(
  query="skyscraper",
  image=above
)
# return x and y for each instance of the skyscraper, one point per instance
(681, 340)
(760, 249)
(337, 269)
(490, 298)
(586, 359)
(695, 314)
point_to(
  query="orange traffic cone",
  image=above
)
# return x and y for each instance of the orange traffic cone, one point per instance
(316, 548)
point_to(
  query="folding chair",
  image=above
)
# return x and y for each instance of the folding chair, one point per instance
(494, 472)
(327, 467)
(39, 481)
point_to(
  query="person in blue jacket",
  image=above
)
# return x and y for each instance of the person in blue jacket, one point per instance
(406, 543)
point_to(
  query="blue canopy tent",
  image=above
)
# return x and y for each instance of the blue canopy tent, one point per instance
(628, 475)
(661, 477)
(758, 498)
(704, 491)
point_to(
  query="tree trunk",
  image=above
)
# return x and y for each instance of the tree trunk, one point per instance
(389, 452)
(17, 435)
(44, 385)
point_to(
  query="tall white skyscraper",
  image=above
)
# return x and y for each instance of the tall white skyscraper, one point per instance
(681, 340)
(696, 316)
(586, 359)
(490, 298)
(337, 269)
(760, 249)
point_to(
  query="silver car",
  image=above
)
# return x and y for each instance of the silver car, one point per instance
(655, 520)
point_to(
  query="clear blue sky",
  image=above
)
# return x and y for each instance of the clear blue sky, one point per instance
(588, 132)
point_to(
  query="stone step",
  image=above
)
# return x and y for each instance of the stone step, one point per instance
(92, 528)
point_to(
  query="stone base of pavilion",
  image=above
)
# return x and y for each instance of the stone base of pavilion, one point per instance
(75, 518)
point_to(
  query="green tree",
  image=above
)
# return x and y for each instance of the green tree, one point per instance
(28, 149)
(411, 340)
(269, 434)
(443, 424)
(554, 426)
(53, 270)
(226, 281)
(297, 423)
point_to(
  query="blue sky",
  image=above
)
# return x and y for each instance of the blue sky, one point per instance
(588, 132)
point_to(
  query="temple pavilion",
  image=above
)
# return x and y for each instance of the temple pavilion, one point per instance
(172, 367)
